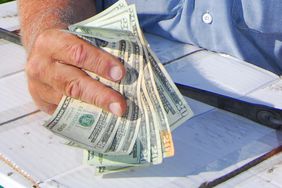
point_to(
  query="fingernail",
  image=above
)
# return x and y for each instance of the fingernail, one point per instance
(116, 73)
(115, 108)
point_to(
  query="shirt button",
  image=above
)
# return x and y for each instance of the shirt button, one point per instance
(207, 18)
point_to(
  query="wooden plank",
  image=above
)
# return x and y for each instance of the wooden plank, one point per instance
(36, 150)
(12, 58)
(9, 177)
(9, 16)
(208, 147)
(15, 98)
(266, 174)
(242, 169)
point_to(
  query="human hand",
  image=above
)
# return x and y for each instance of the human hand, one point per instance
(54, 69)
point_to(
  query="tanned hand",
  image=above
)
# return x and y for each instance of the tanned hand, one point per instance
(56, 58)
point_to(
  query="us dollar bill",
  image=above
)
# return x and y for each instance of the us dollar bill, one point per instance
(133, 63)
(82, 123)
(176, 107)
(142, 137)
(120, 139)
(121, 4)
(126, 20)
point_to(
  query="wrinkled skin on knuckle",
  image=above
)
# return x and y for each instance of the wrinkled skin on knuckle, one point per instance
(73, 88)
(33, 69)
(102, 96)
(77, 54)
(41, 40)
(98, 63)
(36, 56)
(58, 78)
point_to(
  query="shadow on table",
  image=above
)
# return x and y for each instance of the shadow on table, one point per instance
(214, 142)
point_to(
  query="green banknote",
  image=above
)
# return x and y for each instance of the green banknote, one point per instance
(142, 137)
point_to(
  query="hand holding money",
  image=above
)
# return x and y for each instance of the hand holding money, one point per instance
(54, 69)
(142, 136)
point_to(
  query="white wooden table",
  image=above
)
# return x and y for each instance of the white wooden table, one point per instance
(214, 144)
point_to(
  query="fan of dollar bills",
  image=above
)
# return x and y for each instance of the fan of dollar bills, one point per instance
(155, 106)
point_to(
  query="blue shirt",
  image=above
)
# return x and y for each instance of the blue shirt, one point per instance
(247, 29)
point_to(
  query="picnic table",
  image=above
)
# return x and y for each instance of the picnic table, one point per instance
(213, 148)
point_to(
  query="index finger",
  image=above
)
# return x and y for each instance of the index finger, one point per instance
(69, 49)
